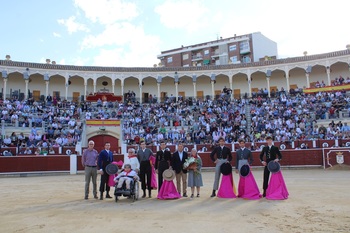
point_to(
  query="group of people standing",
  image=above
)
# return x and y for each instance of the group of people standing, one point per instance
(187, 174)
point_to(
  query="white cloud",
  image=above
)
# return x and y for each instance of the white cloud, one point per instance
(55, 34)
(72, 25)
(106, 11)
(189, 15)
(128, 43)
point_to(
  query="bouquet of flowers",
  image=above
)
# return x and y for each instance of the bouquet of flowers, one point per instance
(190, 163)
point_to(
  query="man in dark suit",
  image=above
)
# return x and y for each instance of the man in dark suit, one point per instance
(272, 153)
(223, 155)
(105, 157)
(163, 162)
(177, 163)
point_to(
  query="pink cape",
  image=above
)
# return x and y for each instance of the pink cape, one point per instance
(153, 176)
(111, 182)
(227, 187)
(247, 187)
(277, 189)
(168, 191)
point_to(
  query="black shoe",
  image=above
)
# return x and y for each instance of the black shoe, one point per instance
(185, 195)
(95, 196)
(198, 195)
(264, 193)
(192, 195)
(213, 194)
(108, 196)
(101, 197)
(86, 197)
(144, 195)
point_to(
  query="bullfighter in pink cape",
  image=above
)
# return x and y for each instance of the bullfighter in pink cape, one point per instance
(247, 187)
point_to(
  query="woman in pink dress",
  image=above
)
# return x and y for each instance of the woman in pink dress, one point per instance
(168, 189)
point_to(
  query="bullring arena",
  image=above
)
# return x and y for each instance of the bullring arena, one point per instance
(55, 109)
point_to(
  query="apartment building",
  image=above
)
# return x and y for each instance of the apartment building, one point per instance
(234, 50)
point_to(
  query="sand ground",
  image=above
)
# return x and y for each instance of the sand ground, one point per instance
(319, 202)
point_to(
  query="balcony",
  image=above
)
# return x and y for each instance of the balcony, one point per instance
(197, 57)
(216, 54)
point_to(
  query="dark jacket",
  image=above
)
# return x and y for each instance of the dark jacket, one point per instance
(270, 154)
(177, 164)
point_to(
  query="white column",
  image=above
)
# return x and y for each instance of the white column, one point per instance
(26, 89)
(307, 80)
(5, 88)
(113, 84)
(94, 86)
(176, 91)
(195, 90)
(329, 75)
(67, 90)
(85, 90)
(122, 88)
(231, 87)
(249, 87)
(212, 90)
(140, 93)
(158, 92)
(268, 86)
(287, 80)
(47, 88)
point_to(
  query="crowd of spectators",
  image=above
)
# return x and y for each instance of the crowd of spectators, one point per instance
(51, 124)
(286, 116)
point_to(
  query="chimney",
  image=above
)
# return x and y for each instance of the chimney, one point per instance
(8, 57)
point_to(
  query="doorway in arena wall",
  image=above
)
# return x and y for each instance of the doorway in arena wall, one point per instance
(76, 96)
(36, 95)
(100, 141)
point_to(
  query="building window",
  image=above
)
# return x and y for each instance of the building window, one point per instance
(206, 52)
(185, 56)
(233, 59)
(232, 47)
(244, 45)
(170, 59)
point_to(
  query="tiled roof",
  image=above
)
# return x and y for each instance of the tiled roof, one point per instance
(160, 69)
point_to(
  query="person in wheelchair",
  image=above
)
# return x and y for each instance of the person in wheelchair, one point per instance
(126, 176)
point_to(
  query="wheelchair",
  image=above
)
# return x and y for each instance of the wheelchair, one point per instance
(133, 193)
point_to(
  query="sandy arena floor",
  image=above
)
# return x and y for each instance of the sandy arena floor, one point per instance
(319, 202)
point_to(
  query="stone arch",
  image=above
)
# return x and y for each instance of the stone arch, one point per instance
(76, 87)
(185, 87)
(59, 82)
(104, 84)
(148, 88)
(131, 83)
(240, 85)
(297, 78)
(15, 79)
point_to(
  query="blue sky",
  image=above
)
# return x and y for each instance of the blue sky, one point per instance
(133, 32)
